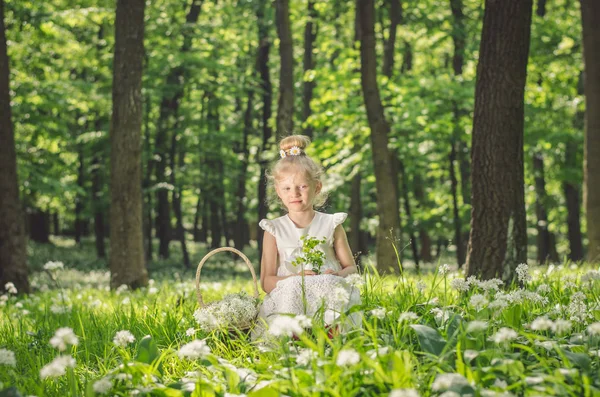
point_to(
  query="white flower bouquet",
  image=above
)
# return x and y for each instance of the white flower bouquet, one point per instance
(234, 311)
(237, 310)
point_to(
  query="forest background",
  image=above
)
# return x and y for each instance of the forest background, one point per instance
(217, 82)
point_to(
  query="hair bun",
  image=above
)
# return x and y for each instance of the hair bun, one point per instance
(300, 141)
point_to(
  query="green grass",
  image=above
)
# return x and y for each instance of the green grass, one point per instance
(433, 352)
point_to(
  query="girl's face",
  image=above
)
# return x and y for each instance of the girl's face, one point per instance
(297, 191)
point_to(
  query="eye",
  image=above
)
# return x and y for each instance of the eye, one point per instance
(303, 187)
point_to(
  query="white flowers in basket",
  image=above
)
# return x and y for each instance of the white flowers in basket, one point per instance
(236, 310)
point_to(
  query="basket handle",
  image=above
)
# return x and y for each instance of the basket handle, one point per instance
(216, 251)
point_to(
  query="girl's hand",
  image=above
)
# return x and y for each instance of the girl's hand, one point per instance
(329, 271)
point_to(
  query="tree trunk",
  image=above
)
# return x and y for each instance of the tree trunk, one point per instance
(541, 8)
(285, 104)
(169, 106)
(407, 60)
(357, 243)
(424, 237)
(79, 199)
(544, 240)
(39, 226)
(55, 224)
(590, 15)
(176, 198)
(241, 232)
(147, 207)
(572, 199)
(387, 200)
(498, 240)
(126, 241)
(414, 243)
(310, 35)
(98, 207)
(13, 253)
(196, 230)
(389, 45)
(262, 64)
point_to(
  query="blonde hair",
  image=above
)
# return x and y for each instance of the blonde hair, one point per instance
(298, 162)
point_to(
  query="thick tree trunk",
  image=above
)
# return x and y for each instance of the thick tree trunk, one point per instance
(590, 15)
(285, 104)
(147, 207)
(389, 45)
(262, 64)
(387, 200)
(498, 240)
(126, 241)
(310, 35)
(13, 254)
(573, 200)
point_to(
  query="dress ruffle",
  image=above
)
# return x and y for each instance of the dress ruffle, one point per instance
(267, 226)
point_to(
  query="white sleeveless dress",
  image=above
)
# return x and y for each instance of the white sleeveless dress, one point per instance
(324, 291)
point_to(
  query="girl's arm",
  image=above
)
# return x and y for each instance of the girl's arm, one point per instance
(343, 252)
(268, 264)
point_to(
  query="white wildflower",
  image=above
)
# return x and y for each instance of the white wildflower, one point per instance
(408, 317)
(547, 344)
(534, 380)
(304, 321)
(478, 301)
(443, 269)
(64, 337)
(590, 276)
(459, 284)
(375, 353)
(340, 297)
(347, 357)
(305, 357)
(190, 331)
(103, 386)
(492, 284)
(504, 335)
(123, 338)
(501, 384)
(10, 288)
(441, 316)
(194, 350)
(7, 357)
(443, 382)
(541, 324)
(593, 329)
(152, 291)
(379, 313)
(121, 289)
(404, 393)
(543, 289)
(561, 327)
(330, 316)
(523, 273)
(476, 326)
(285, 326)
(54, 266)
(58, 367)
(421, 286)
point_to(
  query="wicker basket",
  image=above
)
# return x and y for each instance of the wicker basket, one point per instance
(241, 327)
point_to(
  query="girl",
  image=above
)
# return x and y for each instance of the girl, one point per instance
(292, 288)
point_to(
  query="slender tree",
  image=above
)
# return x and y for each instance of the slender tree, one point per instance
(285, 104)
(126, 242)
(590, 15)
(13, 255)
(310, 35)
(498, 240)
(387, 199)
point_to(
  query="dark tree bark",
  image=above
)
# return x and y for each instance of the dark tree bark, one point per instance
(241, 232)
(310, 35)
(39, 226)
(498, 240)
(13, 254)
(414, 243)
(541, 8)
(460, 251)
(387, 200)
(285, 104)
(590, 15)
(389, 46)
(262, 63)
(407, 58)
(355, 236)
(147, 208)
(546, 247)
(126, 241)
(176, 197)
(79, 199)
(424, 237)
(573, 200)
(55, 224)
(169, 106)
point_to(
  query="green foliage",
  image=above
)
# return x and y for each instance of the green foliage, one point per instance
(311, 255)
